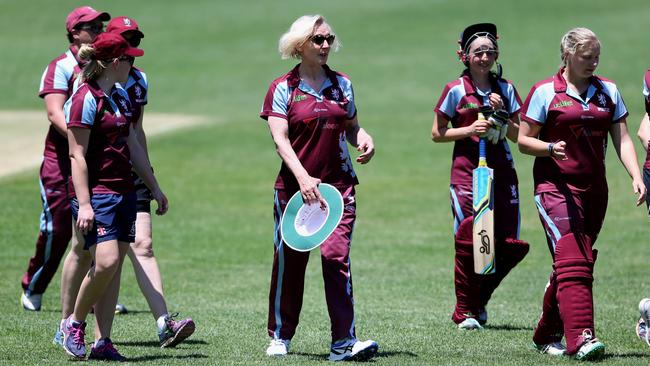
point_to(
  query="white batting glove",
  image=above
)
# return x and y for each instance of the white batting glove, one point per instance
(499, 120)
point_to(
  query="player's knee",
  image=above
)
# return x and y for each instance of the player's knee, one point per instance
(514, 250)
(143, 247)
(574, 258)
(464, 231)
(107, 263)
(143, 252)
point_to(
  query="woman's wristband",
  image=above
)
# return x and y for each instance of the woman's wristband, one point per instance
(550, 149)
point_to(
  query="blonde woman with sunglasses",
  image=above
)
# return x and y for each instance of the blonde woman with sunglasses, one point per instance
(311, 113)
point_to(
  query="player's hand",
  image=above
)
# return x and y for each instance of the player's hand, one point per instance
(309, 191)
(495, 101)
(85, 218)
(640, 190)
(479, 127)
(559, 151)
(366, 146)
(161, 200)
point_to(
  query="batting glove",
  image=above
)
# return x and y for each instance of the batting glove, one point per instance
(499, 120)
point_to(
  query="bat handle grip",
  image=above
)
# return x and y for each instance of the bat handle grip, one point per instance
(482, 161)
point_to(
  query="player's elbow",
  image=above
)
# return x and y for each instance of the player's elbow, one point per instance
(436, 136)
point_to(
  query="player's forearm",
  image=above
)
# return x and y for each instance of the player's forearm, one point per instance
(79, 170)
(57, 119)
(445, 134)
(141, 165)
(533, 146)
(513, 129)
(290, 159)
(628, 157)
(644, 131)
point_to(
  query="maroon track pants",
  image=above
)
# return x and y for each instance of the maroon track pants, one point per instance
(288, 276)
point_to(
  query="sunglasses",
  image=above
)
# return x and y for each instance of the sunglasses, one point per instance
(95, 28)
(319, 39)
(128, 59)
(132, 39)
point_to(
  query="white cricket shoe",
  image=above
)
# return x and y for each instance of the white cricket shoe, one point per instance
(553, 349)
(351, 349)
(469, 324)
(278, 347)
(591, 348)
(31, 302)
(642, 324)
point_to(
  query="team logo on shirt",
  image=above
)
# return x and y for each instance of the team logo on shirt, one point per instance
(602, 100)
(299, 98)
(514, 199)
(124, 104)
(469, 105)
(335, 94)
(138, 91)
(563, 104)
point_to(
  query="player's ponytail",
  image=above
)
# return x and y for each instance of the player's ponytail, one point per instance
(94, 67)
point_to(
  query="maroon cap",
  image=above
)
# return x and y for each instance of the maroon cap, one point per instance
(82, 15)
(123, 24)
(110, 45)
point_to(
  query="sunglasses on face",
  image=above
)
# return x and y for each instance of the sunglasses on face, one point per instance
(132, 39)
(94, 28)
(319, 39)
(128, 59)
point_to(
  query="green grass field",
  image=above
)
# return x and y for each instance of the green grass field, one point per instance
(217, 58)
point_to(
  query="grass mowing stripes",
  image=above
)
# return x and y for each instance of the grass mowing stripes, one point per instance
(214, 248)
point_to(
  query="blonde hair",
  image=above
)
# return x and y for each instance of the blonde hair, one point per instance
(94, 68)
(299, 33)
(575, 39)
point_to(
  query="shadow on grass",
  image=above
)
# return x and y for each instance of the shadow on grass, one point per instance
(166, 357)
(157, 344)
(608, 355)
(380, 354)
(507, 327)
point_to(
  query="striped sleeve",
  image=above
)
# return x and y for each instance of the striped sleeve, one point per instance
(57, 75)
(80, 110)
(346, 85)
(536, 107)
(514, 101)
(276, 101)
(449, 99)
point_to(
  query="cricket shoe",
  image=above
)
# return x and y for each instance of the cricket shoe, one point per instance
(642, 324)
(73, 338)
(642, 331)
(469, 324)
(553, 349)
(120, 309)
(104, 350)
(482, 315)
(58, 336)
(351, 349)
(31, 302)
(278, 347)
(175, 331)
(591, 348)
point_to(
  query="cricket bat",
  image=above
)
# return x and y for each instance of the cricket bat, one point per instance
(483, 209)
